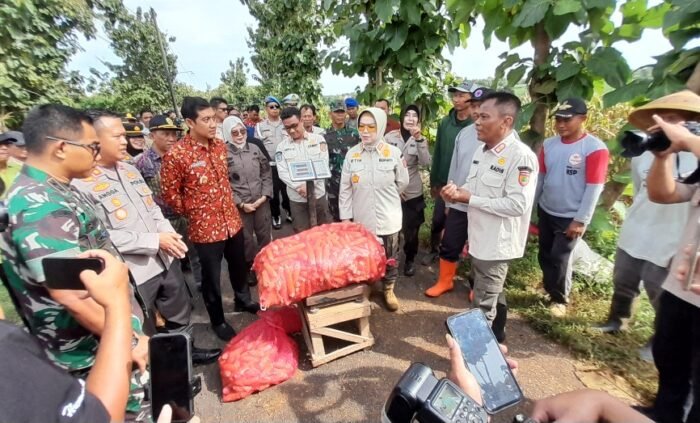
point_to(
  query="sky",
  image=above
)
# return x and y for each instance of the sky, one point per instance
(207, 38)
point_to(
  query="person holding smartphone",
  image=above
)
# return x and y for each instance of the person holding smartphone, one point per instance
(50, 218)
(676, 344)
(49, 393)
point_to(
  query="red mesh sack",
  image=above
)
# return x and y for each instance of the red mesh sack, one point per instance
(261, 355)
(322, 258)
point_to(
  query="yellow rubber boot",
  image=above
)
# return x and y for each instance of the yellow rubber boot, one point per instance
(445, 281)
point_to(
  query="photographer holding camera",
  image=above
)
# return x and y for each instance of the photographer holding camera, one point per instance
(676, 345)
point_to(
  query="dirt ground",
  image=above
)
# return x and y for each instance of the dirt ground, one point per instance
(354, 388)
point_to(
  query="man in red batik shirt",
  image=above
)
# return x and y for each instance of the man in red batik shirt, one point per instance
(194, 182)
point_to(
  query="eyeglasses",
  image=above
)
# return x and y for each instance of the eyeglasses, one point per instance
(273, 107)
(93, 147)
(369, 128)
(239, 132)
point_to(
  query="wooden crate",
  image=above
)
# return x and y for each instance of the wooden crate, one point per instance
(321, 311)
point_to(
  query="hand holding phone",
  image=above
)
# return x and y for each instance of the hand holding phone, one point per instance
(485, 360)
(64, 272)
(170, 358)
(111, 285)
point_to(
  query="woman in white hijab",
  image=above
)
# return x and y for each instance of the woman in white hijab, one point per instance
(373, 178)
(251, 181)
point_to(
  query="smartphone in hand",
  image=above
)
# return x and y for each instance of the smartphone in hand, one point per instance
(64, 272)
(170, 361)
(485, 360)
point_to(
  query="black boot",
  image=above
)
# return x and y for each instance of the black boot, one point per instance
(251, 307)
(408, 268)
(620, 312)
(224, 331)
(202, 356)
(499, 323)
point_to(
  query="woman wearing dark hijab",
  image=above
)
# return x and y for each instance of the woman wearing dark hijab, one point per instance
(415, 152)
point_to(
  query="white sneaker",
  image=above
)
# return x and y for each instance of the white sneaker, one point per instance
(557, 310)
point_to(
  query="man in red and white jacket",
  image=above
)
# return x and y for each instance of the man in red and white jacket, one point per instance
(573, 168)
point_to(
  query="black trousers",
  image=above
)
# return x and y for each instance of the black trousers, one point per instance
(279, 189)
(437, 224)
(676, 349)
(455, 235)
(210, 255)
(554, 254)
(167, 293)
(413, 217)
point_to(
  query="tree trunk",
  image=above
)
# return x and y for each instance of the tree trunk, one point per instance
(613, 189)
(542, 45)
(693, 83)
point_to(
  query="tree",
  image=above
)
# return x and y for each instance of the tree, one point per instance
(234, 86)
(398, 45)
(141, 79)
(286, 46)
(37, 38)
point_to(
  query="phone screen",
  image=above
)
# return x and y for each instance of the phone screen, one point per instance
(64, 272)
(170, 375)
(485, 360)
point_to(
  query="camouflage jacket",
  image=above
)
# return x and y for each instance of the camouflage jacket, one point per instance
(339, 142)
(48, 218)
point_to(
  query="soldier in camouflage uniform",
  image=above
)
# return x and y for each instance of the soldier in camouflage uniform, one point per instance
(49, 218)
(340, 139)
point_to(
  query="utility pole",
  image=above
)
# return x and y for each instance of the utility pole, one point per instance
(168, 76)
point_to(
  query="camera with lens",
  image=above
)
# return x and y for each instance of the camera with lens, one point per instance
(420, 396)
(635, 142)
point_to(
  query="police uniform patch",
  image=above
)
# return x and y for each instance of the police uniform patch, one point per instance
(116, 202)
(101, 186)
(500, 147)
(96, 172)
(121, 214)
(355, 178)
(386, 152)
(89, 179)
(130, 175)
(149, 201)
(279, 156)
(523, 177)
(356, 155)
(324, 147)
(502, 161)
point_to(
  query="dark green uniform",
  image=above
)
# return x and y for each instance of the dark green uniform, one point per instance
(48, 218)
(339, 142)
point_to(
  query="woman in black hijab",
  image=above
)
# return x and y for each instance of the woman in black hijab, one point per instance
(414, 147)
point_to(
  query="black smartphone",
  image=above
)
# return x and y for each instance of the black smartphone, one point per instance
(64, 272)
(485, 360)
(170, 362)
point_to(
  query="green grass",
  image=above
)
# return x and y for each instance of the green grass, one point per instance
(590, 305)
(7, 306)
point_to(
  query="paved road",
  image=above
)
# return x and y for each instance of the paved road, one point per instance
(354, 388)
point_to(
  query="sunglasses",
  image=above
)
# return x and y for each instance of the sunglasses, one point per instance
(94, 147)
(239, 132)
(273, 107)
(369, 128)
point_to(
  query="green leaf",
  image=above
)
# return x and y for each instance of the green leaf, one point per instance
(515, 75)
(400, 32)
(556, 26)
(509, 61)
(566, 70)
(608, 63)
(384, 9)
(626, 93)
(532, 12)
(681, 37)
(572, 87)
(630, 32)
(524, 116)
(546, 87)
(598, 4)
(562, 7)
(654, 17)
(633, 9)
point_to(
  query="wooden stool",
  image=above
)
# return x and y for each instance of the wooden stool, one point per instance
(321, 311)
